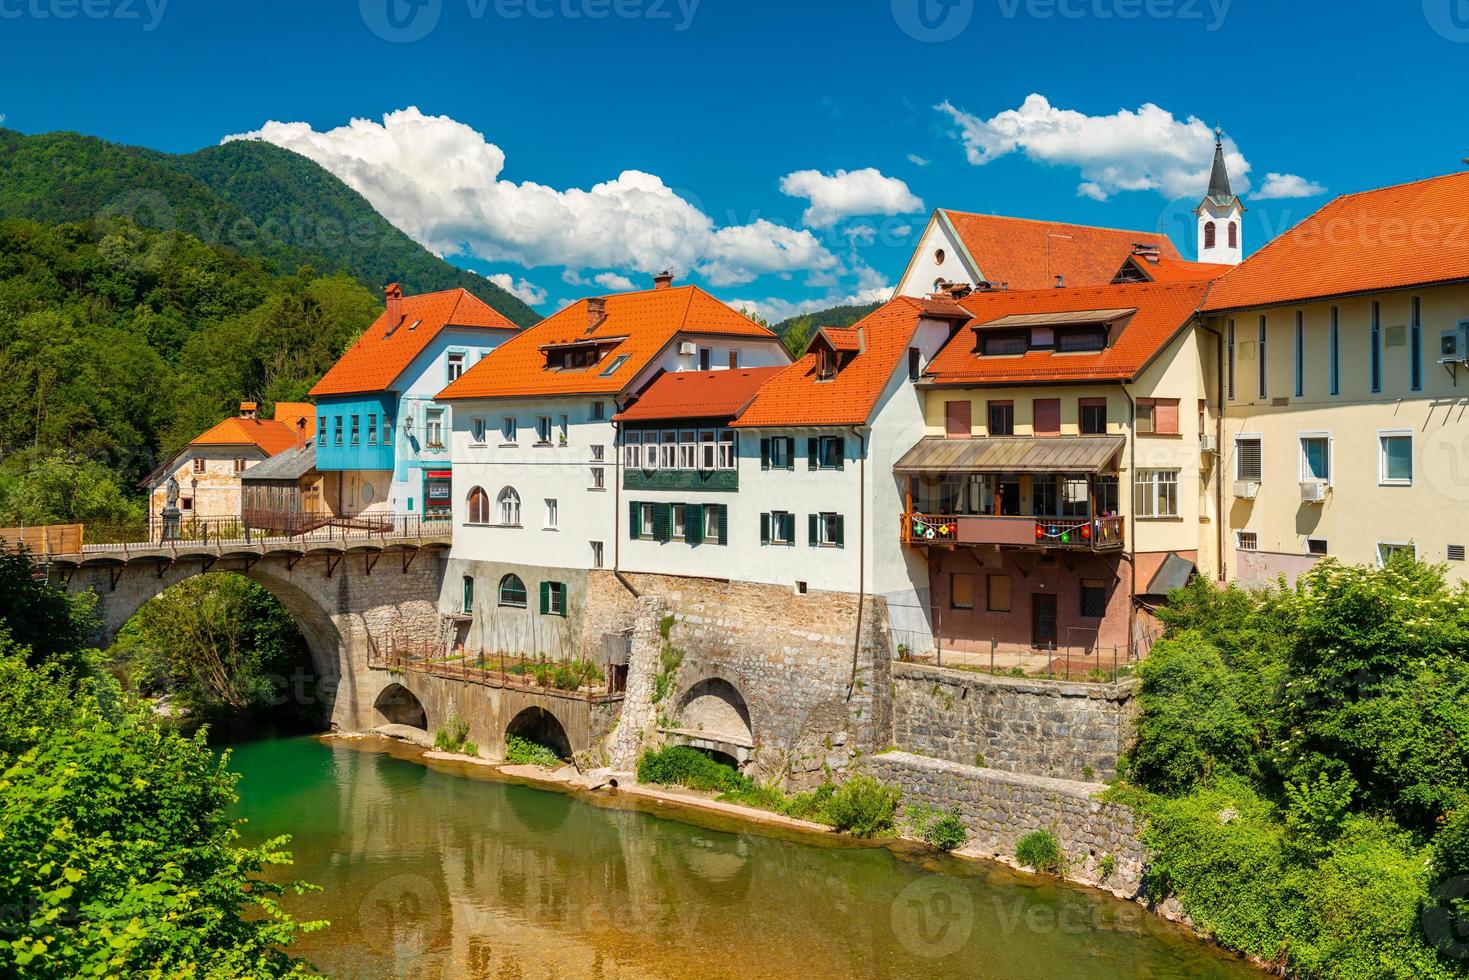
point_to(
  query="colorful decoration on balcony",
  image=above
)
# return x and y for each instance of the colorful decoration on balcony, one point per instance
(934, 528)
(1055, 532)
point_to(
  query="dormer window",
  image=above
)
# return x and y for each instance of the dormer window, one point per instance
(1004, 343)
(1088, 338)
(826, 367)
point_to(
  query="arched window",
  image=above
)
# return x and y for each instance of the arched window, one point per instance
(512, 591)
(479, 506)
(1209, 234)
(509, 507)
(938, 256)
(1233, 235)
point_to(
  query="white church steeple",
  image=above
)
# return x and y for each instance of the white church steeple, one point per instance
(1221, 228)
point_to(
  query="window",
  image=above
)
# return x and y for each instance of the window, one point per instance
(599, 411)
(734, 360)
(1157, 416)
(825, 531)
(338, 429)
(706, 359)
(478, 506)
(1002, 418)
(456, 366)
(372, 429)
(563, 429)
(915, 363)
(961, 590)
(553, 598)
(433, 428)
(1229, 358)
(1233, 235)
(599, 478)
(1247, 458)
(387, 430)
(1386, 551)
(650, 450)
(716, 524)
(1316, 457)
(778, 453)
(998, 589)
(543, 430)
(708, 449)
(1047, 416)
(957, 419)
(1071, 340)
(1264, 364)
(1246, 540)
(616, 363)
(1316, 546)
(1004, 343)
(186, 503)
(1375, 341)
(1093, 598)
(356, 429)
(1074, 502)
(1300, 388)
(477, 432)
(1395, 458)
(597, 554)
(938, 256)
(826, 452)
(512, 592)
(321, 430)
(1093, 416)
(1210, 234)
(1043, 497)
(509, 502)
(632, 450)
(239, 465)
(688, 449)
(468, 606)
(1334, 358)
(1157, 493)
(778, 527)
(678, 528)
(509, 431)
(1415, 349)
(643, 521)
(553, 515)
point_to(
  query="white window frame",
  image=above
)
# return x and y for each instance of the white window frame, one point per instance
(777, 525)
(1149, 483)
(553, 514)
(650, 449)
(1385, 550)
(1254, 540)
(1305, 475)
(1249, 437)
(668, 451)
(598, 554)
(826, 523)
(433, 428)
(728, 450)
(543, 430)
(455, 360)
(478, 429)
(708, 449)
(688, 449)
(509, 430)
(1382, 477)
(646, 513)
(507, 507)
(678, 529)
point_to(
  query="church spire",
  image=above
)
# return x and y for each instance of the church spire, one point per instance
(1220, 227)
(1219, 191)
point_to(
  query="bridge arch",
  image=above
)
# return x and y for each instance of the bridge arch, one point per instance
(715, 706)
(396, 705)
(538, 725)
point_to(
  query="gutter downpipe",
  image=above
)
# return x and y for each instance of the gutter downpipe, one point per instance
(617, 450)
(861, 552)
(1220, 572)
(1131, 551)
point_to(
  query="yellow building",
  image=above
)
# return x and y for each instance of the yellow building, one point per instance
(1344, 385)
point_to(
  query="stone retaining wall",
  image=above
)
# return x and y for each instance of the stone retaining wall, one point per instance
(1050, 728)
(998, 808)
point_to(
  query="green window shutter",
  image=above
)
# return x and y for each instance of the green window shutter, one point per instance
(841, 531)
(813, 452)
(723, 524)
(790, 528)
(841, 452)
(634, 519)
(545, 598)
(765, 528)
(790, 453)
(663, 522)
(765, 454)
(813, 528)
(693, 523)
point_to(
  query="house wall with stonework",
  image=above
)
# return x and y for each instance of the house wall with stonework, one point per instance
(210, 491)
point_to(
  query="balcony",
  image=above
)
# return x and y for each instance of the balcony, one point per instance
(1047, 533)
(726, 481)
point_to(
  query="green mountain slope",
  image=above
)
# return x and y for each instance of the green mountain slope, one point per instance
(796, 331)
(254, 198)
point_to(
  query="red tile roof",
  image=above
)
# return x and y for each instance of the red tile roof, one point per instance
(1394, 237)
(292, 412)
(797, 397)
(1027, 254)
(698, 394)
(386, 349)
(1179, 270)
(270, 436)
(637, 326)
(1162, 310)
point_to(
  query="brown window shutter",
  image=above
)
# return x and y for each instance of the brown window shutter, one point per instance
(957, 424)
(1165, 416)
(1047, 416)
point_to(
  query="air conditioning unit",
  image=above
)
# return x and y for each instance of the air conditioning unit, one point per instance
(1313, 491)
(1246, 489)
(1208, 443)
(688, 347)
(1453, 345)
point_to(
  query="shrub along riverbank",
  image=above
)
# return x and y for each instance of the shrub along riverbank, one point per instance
(1303, 764)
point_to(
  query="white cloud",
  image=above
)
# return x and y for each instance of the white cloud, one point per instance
(847, 193)
(1287, 185)
(441, 182)
(614, 281)
(774, 309)
(523, 289)
(917, 160)
(1146, 149)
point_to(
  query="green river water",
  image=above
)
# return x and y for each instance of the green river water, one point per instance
(434, 869)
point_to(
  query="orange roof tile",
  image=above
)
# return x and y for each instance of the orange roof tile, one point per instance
(1162, 310)
(292, 412)
(386, 349)
(1026, 254)
(1394, 237)
(797, 397)
(697, 394)
(270, 436)
(1178, 270)
(636, 326)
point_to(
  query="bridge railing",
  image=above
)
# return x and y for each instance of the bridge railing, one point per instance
(572, 677)
(155, 532)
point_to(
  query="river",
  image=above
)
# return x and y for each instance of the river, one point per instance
(446, 870)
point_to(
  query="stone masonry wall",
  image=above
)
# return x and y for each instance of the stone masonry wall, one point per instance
(1048, 728)
(998, 808)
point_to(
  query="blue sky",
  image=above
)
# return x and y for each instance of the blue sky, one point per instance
(715, 104)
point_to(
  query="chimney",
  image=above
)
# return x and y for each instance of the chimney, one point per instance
(1060, 282)
(596, 311)
(663, 280)
(394, 294)
(1146, 252)
(247, 410)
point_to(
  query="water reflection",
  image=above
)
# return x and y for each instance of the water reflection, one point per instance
(431, 873)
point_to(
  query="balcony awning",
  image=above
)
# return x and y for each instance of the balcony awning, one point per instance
(1012, 454)
(1174, 573)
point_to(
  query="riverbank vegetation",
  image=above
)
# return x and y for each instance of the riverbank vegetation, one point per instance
(117, 853)
(1303, 765)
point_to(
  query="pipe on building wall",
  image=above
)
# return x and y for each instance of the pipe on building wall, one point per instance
(861, 551)
(1130, 552)
(617, 452)
(1219, 571)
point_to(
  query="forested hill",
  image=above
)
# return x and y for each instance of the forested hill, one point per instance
(796, 331)
(251, 197)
